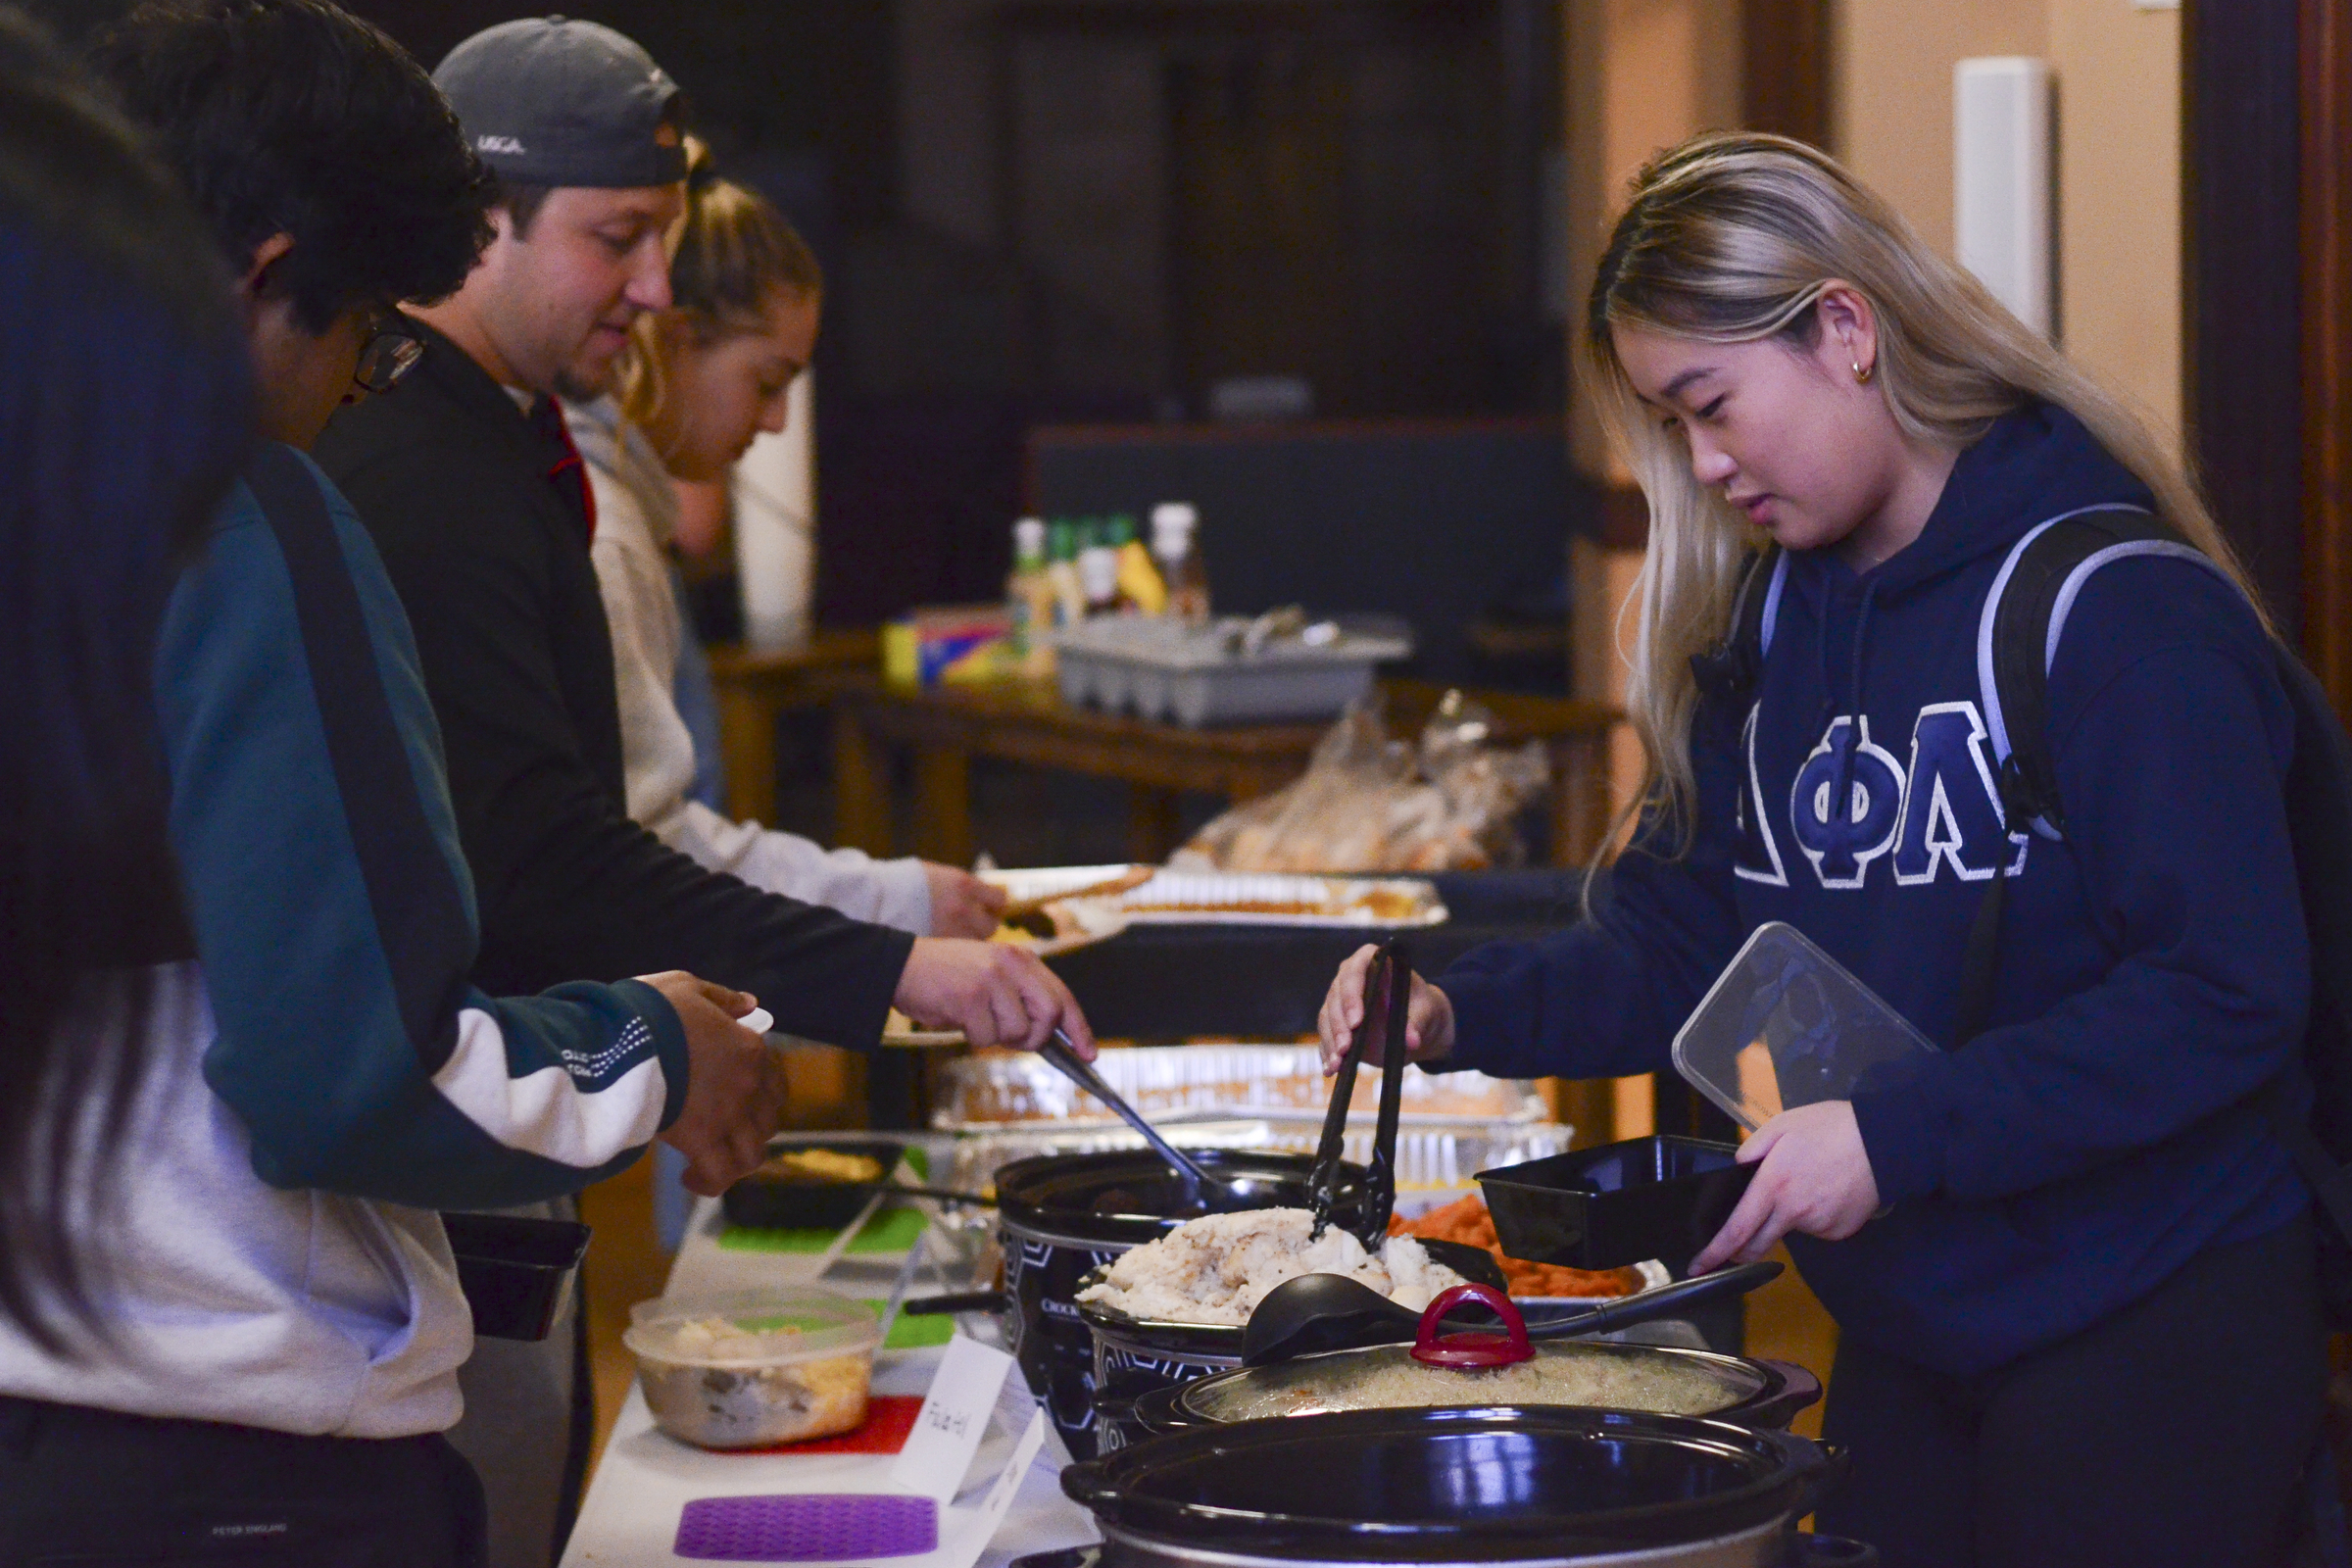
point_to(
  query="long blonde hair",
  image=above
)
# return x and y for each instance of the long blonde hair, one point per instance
(1732, 238)
(733, 253)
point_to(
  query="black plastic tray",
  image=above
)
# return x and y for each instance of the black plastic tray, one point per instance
(787, 1203)
(1621, 1203)
(515, 1272)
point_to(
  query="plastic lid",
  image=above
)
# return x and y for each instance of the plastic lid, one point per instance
(1064, 534)
(825, 1325)
(1029, 537)
(1175, 515)
(1785, 1025)
(1119, 529)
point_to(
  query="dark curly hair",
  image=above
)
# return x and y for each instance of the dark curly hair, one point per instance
(295, 116)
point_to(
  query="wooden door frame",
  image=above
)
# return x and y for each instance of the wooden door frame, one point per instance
(1785, 67)
(2266, 237)
(2326, 247)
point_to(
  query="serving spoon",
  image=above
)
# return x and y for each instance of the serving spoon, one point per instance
(1331, 1312)
(1063, 1057)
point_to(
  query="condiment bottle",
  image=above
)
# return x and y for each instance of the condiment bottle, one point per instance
(1175, 526)
(1140, 584)
(1061, 573)
(1029, 598)
(1098, 568)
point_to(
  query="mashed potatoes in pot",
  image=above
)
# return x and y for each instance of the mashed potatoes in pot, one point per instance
(1216, 1269)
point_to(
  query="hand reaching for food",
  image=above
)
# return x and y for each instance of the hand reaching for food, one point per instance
(961, 905)
(1428, 1020)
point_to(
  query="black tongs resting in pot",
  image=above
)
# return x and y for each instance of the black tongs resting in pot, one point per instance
(1387, 1000)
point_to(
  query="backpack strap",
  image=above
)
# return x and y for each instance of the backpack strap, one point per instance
(2018, 634)
(1728, 671)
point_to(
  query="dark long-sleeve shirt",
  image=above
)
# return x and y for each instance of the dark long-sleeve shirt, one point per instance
(478, 520)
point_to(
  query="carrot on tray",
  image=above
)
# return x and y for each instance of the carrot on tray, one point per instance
(1466, 1220)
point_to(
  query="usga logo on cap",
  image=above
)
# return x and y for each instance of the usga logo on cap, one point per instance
(499, 144)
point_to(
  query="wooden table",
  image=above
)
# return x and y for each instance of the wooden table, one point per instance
(755, 689)
(946, 726)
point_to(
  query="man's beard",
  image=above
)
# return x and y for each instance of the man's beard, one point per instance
(573, 385)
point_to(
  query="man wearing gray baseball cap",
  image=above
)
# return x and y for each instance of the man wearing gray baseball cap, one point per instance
(482, 511)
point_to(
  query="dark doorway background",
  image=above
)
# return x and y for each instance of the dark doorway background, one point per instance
(1057, 211)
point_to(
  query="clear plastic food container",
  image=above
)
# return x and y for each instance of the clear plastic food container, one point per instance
(1787, 1025)
(755, 1367)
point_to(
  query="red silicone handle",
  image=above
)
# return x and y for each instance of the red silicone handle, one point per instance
(1508, 1349)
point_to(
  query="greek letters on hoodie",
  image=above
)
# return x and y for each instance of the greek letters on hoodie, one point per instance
(2153, 969)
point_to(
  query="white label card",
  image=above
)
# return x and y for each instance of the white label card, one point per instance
(975, 1537)
(952, 1420)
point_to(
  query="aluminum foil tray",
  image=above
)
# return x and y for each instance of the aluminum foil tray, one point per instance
(1228, 897)
(1437, 1160)
(996, 1091)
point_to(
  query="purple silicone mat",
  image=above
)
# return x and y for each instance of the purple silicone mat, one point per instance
(814, 1527)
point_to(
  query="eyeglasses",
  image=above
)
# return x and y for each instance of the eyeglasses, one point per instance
(392, 352)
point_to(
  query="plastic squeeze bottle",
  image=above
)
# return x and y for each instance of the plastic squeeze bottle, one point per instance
(1061, 572)
(1175, 541)
(1029, 598)
(1098, 568)
(1139, 581)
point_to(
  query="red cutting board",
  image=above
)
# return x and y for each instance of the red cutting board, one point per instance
(889, 1419)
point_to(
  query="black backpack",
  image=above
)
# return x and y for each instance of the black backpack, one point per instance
(2024, 615)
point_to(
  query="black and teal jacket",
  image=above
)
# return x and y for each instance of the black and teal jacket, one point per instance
(322, 1074)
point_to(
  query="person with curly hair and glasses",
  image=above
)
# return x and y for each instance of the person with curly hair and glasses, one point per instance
(242, 1065)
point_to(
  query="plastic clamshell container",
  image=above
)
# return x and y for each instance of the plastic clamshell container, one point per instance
(1164, 669)
(515, 1272)
(1618, 1204)
(1787, 1025)
(769, 1202)
(808, 1378)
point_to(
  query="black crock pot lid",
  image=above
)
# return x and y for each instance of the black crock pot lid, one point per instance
(1761, 1381)
(1327, 1455)
(1050, 1196)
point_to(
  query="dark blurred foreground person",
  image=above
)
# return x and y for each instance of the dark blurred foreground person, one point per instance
(233, 1089)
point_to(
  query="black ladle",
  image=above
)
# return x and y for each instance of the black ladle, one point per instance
(1317, 1312)
(1388, 998)
(1197, 1183)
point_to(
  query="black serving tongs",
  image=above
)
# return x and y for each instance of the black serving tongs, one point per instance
(1387, 1000)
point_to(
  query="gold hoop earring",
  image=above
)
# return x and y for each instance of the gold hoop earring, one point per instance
(1863, 373)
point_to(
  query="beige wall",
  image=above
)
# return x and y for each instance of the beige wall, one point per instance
(2119, 179)
(2118, 75)
(1890, 100)
(1642, 76)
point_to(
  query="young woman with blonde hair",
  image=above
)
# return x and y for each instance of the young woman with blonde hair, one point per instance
(698, 383)
(2072, 1269)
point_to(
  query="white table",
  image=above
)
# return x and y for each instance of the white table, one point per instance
(645, 1480)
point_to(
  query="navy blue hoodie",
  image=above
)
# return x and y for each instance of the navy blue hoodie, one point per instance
(2153, 970)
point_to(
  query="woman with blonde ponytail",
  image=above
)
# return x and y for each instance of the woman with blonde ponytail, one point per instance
(697, 383)
(2072, 1268)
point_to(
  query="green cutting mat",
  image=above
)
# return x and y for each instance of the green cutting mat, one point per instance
(894, 1230)
(919, 1333)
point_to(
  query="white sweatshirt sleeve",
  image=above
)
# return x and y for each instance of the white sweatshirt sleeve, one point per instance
(658, 749)
(892, 893)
